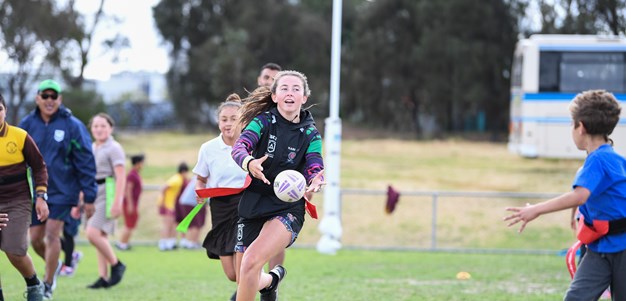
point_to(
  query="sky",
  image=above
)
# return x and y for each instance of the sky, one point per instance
(146, 51)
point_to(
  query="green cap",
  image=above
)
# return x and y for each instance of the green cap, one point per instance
(49, 84)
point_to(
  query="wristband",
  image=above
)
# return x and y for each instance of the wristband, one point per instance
(246, 162)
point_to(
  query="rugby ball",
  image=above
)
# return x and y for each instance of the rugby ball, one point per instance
(289, 186)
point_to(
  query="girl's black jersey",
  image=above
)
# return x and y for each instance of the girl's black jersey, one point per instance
(296, 146)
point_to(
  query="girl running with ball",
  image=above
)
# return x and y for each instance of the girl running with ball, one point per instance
(278, 135)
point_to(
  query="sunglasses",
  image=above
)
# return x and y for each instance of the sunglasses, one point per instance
(46, 96)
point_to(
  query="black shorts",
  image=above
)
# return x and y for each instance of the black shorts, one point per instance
(71, 226)
(248, 229)
(57, 211)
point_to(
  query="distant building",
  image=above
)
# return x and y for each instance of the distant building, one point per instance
(31, 89)
(133, 99)
(138, 100)
(139, 86)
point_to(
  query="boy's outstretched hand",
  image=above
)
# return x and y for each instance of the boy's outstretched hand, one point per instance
(521, 214)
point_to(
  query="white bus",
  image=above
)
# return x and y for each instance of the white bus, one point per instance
(548, 71)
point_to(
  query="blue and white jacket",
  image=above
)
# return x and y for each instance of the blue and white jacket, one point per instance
(65, 145)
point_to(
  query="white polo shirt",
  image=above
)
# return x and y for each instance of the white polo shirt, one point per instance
(216, 164)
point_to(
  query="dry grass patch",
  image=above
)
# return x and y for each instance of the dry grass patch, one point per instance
(408, 166)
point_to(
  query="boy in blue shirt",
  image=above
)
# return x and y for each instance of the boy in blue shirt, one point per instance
(599, 189)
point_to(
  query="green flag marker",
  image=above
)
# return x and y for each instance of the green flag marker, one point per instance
(184, 225)
(210, 193)
(30, 182)
(109, 184)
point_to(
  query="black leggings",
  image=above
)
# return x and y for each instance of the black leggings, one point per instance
(67, 244)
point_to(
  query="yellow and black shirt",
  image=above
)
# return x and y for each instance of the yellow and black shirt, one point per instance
(18, 151)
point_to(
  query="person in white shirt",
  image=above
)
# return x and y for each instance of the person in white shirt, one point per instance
(216, 168)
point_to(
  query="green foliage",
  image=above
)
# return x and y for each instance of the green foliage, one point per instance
(350, 275)
(612, 13)
(27, 29)
(83, 103)
(218, 48)
(582, 17)
(431, 66)
(424, 67)
(401, 59)
(44, 37)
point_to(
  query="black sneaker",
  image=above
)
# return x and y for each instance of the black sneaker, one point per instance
(47, 291)
(100, 283)
(270, 293)
(35, 292)
(117, 272)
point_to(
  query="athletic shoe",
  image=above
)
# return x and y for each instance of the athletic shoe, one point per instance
(117, 272)
(56, 274)
(67, 271)
(271, 293)
(35, 292)
(47, 291)
(165, 245)
(76, 257)
(122, 246)
(192, 246)
(100, 283)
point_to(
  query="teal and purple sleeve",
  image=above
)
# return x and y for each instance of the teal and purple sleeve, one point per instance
(244, 146)
(313, 157)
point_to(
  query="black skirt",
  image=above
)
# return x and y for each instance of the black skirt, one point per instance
(220, 241)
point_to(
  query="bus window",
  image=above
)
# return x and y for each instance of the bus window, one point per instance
(516, 79)
(584, 70)
(549, 71)
(578, 71)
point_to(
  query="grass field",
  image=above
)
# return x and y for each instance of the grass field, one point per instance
(408, 166)
(375, 163)
(358, 274)
(351, 275)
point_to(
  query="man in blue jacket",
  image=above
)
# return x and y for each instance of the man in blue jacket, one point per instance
(65, 145)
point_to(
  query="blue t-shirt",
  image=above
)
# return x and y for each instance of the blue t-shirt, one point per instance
(604, 175)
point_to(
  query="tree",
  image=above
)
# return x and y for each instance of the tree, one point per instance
(578, 17)
(28, 29)
(71, 54)
(417, 66)
(217, 48)
(612, 12)
(431, 67)
(40, 38)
